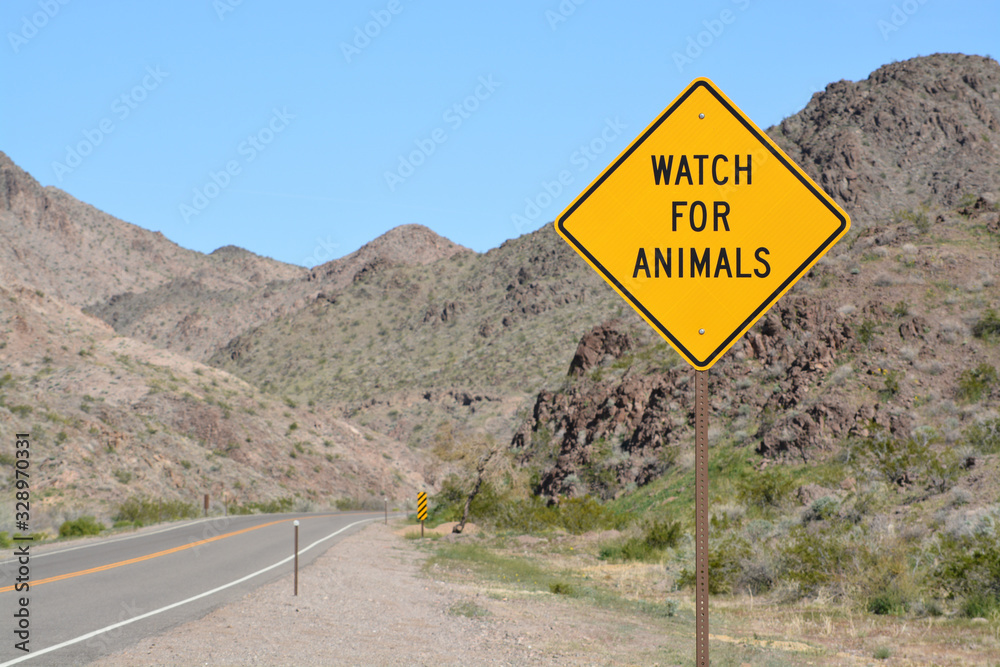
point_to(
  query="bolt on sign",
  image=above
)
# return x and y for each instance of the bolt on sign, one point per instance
(702, 224)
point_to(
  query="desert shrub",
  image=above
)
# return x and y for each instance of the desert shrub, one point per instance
(846, 560)
(726, 558)
(141, 511)
(988, 326)
(274, 506)
(822, 509)
(984, 436)
(369, 504)
(897, 461)
(561, 588)
(84, 525)
(866, 332)
(890, 600)
(758, 573)
(580, 515)
(656, 537)
(5, 540)
(969, 568)
(976, 383)
(891, 388)
(815, 557)
(764, 489)
(917, 218)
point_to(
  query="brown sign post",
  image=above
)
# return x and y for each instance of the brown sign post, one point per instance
(702, 224)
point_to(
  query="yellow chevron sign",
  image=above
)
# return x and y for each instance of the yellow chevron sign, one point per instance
(422, 506)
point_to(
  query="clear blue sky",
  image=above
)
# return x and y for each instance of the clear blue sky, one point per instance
(299, 115)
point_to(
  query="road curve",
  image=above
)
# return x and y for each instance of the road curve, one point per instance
(94, 598)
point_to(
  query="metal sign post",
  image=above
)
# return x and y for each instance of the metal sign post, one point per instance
(701, 516)
(296, 524)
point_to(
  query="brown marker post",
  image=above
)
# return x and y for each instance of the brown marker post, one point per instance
(701, 516)
(296, 524)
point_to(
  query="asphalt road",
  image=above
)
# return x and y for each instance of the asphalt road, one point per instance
(90, 599)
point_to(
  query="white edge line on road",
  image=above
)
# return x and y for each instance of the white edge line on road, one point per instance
(115, 626)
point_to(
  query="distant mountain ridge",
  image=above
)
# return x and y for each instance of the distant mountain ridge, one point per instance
(412, 334)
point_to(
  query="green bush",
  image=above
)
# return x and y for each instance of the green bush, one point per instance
(521, 515)
(656, 537)
(816, 557)
(984, 436)
(969, 568)
(561, 588)
(890, 600)
(725, 565)
(976, 383)
(980, 605)
(276, 506)
(85, 525)
(988, 326)
(142, 511)
(765, 489)
(897, 461)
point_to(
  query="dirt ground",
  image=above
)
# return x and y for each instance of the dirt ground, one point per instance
(370, 600)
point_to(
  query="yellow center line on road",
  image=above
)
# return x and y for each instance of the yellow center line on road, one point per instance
(165, 552)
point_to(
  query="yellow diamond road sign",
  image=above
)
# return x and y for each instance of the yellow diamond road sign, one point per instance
(702, 223)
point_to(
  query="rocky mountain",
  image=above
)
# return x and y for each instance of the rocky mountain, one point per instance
(264, 374)
(921, 130)
(896, 329)
(473, 338)
(73, 251)
(111, 417)
(196, 316)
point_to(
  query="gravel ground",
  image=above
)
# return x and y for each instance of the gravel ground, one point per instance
(363, 602)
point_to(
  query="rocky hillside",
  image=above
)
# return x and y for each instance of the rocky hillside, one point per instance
(473, 337)
(195, 316)
(111, 417)
(896, 327)
(72, 251)
(921, 130)
(413, 333)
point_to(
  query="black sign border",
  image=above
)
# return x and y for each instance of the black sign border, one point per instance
(702, 364)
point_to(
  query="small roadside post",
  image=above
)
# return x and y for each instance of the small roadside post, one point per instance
(701, 225)
(296, 524)
(386, 500)
(422, 510)
(206, 504)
